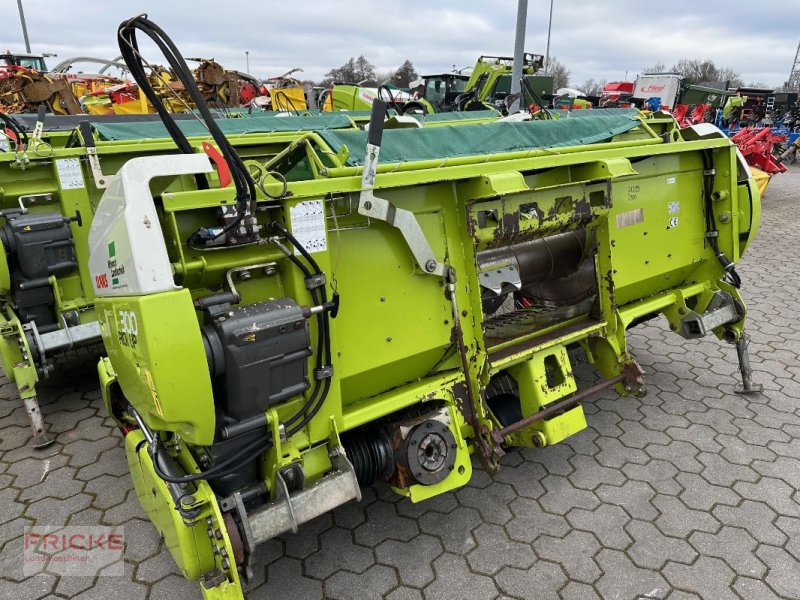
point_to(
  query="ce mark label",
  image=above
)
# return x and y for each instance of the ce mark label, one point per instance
(673, 222)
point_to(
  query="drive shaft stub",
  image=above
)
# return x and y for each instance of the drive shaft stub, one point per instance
(429, 452)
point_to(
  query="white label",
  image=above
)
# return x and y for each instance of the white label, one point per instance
(4, 145)
(308, 225)
(674, 207)
(631, 217)
(670, 180)
(69, 173)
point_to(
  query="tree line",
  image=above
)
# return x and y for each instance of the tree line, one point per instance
(359, 70)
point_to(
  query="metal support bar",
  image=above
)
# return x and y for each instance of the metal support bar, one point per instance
(560, 406)
(373, 207)
(40, 437)
(287, 512)
(67, 338)
(100, 180)
(720, 311)
(747, 387)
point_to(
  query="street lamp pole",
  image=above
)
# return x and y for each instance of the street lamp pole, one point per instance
(549, 27)
(24, 28)
(519, 52)
(247, 58)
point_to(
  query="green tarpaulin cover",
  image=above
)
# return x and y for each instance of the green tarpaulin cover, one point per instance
(404, 145)
(249, 124)
(457, 116)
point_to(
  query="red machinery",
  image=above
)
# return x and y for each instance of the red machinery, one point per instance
(756, 145)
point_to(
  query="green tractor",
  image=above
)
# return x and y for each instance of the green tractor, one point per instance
(487, 87)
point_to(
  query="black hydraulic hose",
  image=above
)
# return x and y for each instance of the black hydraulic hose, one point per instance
(243, 181)
(298, 245)
(240, 458)
(16, 127)
(712, 234)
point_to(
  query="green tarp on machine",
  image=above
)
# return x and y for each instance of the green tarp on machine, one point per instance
(251, 124)
(405, 145)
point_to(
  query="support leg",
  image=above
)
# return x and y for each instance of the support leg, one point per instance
(40, 437)
(747, 387)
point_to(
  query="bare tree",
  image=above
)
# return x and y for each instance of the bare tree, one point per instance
(353, 71)
(697, 71)
(559, 72)
(590, 87)
(382, 77)
(659, 67)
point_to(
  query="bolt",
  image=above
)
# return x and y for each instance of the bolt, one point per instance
(383, 298)
(430, 265)
(682, 310)
(218, 534)
(538, 439)
(225, 564)
(724, 217)
(270, 270)
(388, 338)
(244, 275)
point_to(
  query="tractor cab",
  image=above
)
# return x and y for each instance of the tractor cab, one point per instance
(30, 61)
(442, 90)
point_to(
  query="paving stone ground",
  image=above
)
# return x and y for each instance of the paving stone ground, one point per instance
(691, 492)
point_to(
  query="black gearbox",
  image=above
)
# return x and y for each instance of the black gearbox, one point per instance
(257, 355)
(38, 245)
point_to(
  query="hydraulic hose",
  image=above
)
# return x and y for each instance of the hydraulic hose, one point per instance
(243, 181)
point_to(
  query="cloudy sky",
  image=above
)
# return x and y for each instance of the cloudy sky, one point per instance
(603, 40)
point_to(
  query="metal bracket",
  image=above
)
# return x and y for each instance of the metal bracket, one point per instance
(374, 207)
(500, 278)
(66, 338)
(100, 180)
(249, 540)
(720, 311)
(371, 206)
(28, 200)
(287, 511)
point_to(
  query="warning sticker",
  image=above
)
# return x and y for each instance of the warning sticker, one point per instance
(308, 225)
(70, 175)
(674, 207)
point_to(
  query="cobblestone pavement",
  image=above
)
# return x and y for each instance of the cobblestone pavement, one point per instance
(692, 492)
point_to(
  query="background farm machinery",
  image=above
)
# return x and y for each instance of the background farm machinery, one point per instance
(487, 87)
(26, 84)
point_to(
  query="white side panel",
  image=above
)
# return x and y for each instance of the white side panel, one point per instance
(127, 252)
(658, 86)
